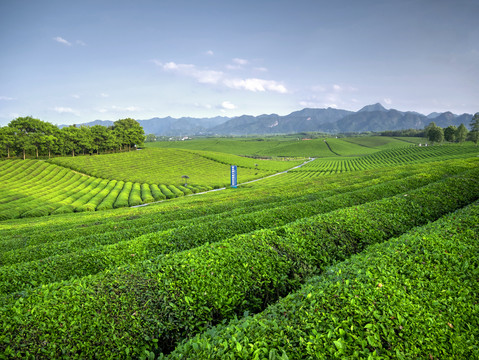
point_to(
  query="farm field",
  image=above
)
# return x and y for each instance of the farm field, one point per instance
(290, 146)
(338, 258)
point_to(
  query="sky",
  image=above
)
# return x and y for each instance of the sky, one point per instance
(71, 62)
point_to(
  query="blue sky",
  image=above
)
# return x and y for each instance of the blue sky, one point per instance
(70, 62)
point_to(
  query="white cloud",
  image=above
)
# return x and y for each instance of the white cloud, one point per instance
(337, 87)
(75, 96)
(65, 110)
(210, 53)
(81, 43)
(115, 108)
(214, 77)
(104, 95)
(388, 101)
(203, 76)
(256, 85)
(237, 64)
(228, 105)
(240, 61)
(6, 98)
(203, 106)
(261, 69)
(62, 41)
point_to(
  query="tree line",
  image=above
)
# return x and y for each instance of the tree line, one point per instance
(29, 136)
(437, 134)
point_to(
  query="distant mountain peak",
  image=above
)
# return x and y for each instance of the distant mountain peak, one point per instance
(374, 107)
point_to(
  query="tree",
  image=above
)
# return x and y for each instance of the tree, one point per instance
(428, 128)
(450, 133)
(475, 128)
(71, 139)
(51, 142)
(461, 133)
(27, 133)
(150, 138)
(100, 135)
(434, 133)
(7, 138)
(85, 139)
(129, 133)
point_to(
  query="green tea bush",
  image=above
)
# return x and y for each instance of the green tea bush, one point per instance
(135, 195)
(185, 190)
(123, 196)
(156, 193)
(154, 305)
(38, 211)
(94, 202)
(109, 200)
(195, 233)
(146, 195)
(166, 191)
(177, 192)
(414, 297)
(64, 209)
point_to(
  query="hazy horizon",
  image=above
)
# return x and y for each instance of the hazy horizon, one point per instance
(67, 63)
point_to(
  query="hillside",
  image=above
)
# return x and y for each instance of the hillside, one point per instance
(339, 258)
(372, 118)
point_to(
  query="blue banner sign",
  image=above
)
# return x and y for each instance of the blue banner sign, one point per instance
(234, 176)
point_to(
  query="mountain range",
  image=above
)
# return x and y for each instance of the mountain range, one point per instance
(373, 118)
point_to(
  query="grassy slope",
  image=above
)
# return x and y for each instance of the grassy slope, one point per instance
(166, 166)
(278, 146)
(273, 190)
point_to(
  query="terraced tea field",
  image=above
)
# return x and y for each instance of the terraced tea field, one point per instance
(291, 146)
(378, 259)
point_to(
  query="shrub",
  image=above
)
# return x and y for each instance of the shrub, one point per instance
(156, 193)
(135, 195)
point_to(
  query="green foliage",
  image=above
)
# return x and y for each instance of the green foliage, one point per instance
(134, 283)
(434, 133)
(156, 193)
(129, 133)
(474, 134)
(154, 304)
(461, 133)
(411, 297)
(27, 135)
(166, 166)
(146, 195)
(450, 133)
(123, 196)
(135, 195)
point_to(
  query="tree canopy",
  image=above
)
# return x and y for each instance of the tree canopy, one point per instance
(27, 135)
(435, 133)
(475, 128)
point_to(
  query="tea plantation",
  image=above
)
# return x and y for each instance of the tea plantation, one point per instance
(371, 256)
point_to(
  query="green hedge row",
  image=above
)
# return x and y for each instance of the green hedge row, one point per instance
(234, 203)
(130, 312)
(96, 200)
(156, 193)
(146, 195)
(135, 195)
(177, 192)
(109, 200)
(73, 258)
(123, 197)
(414, 297)
(167, 192)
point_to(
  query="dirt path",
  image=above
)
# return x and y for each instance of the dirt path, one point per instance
(224, 188)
